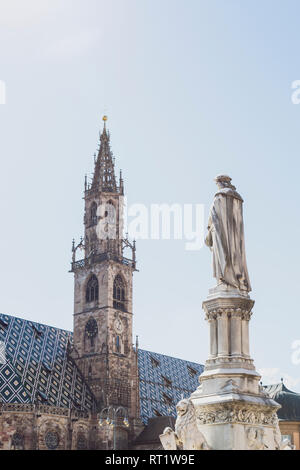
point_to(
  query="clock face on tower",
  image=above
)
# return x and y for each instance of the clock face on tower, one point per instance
(118, 325)
(91, 328)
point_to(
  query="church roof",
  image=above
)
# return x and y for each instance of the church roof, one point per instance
(35, 367)
(164, 381)
(289, 401)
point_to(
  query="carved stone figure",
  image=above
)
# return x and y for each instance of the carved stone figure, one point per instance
(281, 444)
(168, 439)
(187, 435)
(226, 236)
(255, 439)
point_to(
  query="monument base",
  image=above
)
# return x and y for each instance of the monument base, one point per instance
(231, 408)
(232, 420)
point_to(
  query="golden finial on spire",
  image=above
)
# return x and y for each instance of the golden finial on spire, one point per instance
(104, 119)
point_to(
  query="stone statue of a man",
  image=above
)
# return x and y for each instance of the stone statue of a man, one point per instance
(226, 236)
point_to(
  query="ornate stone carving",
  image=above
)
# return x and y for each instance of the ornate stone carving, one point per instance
(235, 414)
(256, 438)
(244, 314)
(187, 435)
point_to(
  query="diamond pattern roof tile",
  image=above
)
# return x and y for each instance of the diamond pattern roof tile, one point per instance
(36, 358)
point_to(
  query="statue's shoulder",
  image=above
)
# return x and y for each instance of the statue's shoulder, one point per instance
(228, 192)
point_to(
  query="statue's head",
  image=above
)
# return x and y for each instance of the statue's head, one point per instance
(183, 406)
(224, 181)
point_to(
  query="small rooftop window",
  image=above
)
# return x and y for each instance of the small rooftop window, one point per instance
(154, 362)
(3, 322)
(167, 382)
(47, 367)
(75, 402)
(37, 331)
(192, 371)
(168, 400)
(42, 396)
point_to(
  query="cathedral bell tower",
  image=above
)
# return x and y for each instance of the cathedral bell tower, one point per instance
(102, 341)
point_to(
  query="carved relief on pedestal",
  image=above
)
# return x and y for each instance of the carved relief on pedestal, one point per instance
(235, 414)
(256, 438)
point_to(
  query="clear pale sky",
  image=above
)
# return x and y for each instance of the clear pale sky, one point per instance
(192, 89)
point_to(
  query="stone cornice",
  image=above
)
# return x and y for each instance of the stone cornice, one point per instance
(231, 307)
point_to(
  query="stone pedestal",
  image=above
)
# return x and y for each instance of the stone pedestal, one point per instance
(231, 408)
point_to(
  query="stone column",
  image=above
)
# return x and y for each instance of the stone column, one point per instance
(236, 333)
(223, 347)
(245, 334)
(213, 335)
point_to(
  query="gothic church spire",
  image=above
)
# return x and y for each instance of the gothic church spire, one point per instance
(104, 175)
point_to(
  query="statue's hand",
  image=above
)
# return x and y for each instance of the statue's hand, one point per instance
(208, 240)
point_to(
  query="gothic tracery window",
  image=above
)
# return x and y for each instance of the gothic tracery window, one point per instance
(118, 346)
(93, 214)
(91, 330)
(119, 293)
(92, 289)
(110, 212)
(52, 440)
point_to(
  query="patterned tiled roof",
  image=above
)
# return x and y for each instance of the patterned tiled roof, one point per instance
(36, 367)
(164, 381)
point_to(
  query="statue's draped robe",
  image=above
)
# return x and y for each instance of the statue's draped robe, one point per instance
(226, 239)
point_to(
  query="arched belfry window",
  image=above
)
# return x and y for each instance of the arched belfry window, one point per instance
(119, 293)
(118, 346)
(110, 212)
(93, 214)
(92, 289)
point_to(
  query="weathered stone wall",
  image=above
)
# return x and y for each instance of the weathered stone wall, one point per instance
(30, 427)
